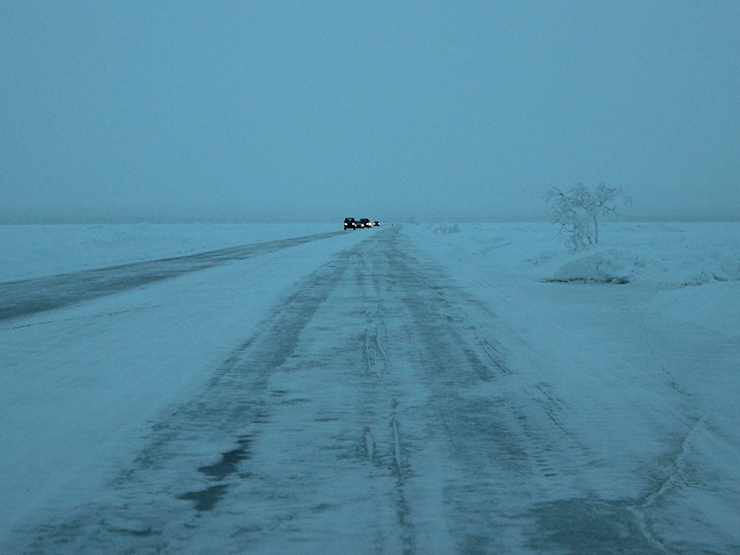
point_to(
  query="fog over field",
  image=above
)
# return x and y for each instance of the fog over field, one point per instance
(269, 112)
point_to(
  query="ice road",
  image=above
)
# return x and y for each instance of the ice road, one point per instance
(344, 393)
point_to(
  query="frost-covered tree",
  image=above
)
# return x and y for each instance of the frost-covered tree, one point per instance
(578, 211)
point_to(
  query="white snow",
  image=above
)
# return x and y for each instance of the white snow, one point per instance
(659, 257)
(639, 333)
(28, 251)
(77, 385)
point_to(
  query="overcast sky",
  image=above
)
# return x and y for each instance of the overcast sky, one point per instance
(276, 111)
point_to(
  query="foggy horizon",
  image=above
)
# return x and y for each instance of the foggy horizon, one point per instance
(231, 112)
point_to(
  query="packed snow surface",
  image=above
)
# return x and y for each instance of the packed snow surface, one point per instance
(447, 388)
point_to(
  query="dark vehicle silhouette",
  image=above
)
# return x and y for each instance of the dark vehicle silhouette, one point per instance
(350, 223)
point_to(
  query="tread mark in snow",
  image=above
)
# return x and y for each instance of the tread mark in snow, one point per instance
(369, 444)
(410, 314)
(396, 446)
(232, 404)
(375, 357)
(493, 353)
(673, 382)
(674, 480)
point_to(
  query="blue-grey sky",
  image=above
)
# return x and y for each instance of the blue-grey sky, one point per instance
(272, 111)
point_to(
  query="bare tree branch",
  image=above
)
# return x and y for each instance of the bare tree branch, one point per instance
(578, 211)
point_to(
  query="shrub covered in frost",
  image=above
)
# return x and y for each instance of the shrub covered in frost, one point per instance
(578, 211)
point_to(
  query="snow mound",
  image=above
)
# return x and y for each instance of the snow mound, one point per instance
(717, 268)
(600, 267)
(666, 255)
(669, 269)
(447, 229)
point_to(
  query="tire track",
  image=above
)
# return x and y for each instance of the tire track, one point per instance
(383, 394)
(265, 451)
(372, 412)
(507, 448)
(208, 443)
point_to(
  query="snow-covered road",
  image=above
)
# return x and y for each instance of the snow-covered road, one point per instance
(354, 395)
(25, 297)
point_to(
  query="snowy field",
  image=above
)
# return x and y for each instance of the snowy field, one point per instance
(28, 251)
(448, 388)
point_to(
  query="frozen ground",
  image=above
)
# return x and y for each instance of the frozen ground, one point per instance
(426, 389)
(29, 251)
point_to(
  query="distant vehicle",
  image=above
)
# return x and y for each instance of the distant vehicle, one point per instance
(362, 223)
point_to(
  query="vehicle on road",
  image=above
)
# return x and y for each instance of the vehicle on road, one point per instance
(362, 223)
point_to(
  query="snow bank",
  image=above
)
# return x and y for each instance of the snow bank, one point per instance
(600, 267)
(446, 229)
(687, 272)
(668, 255)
